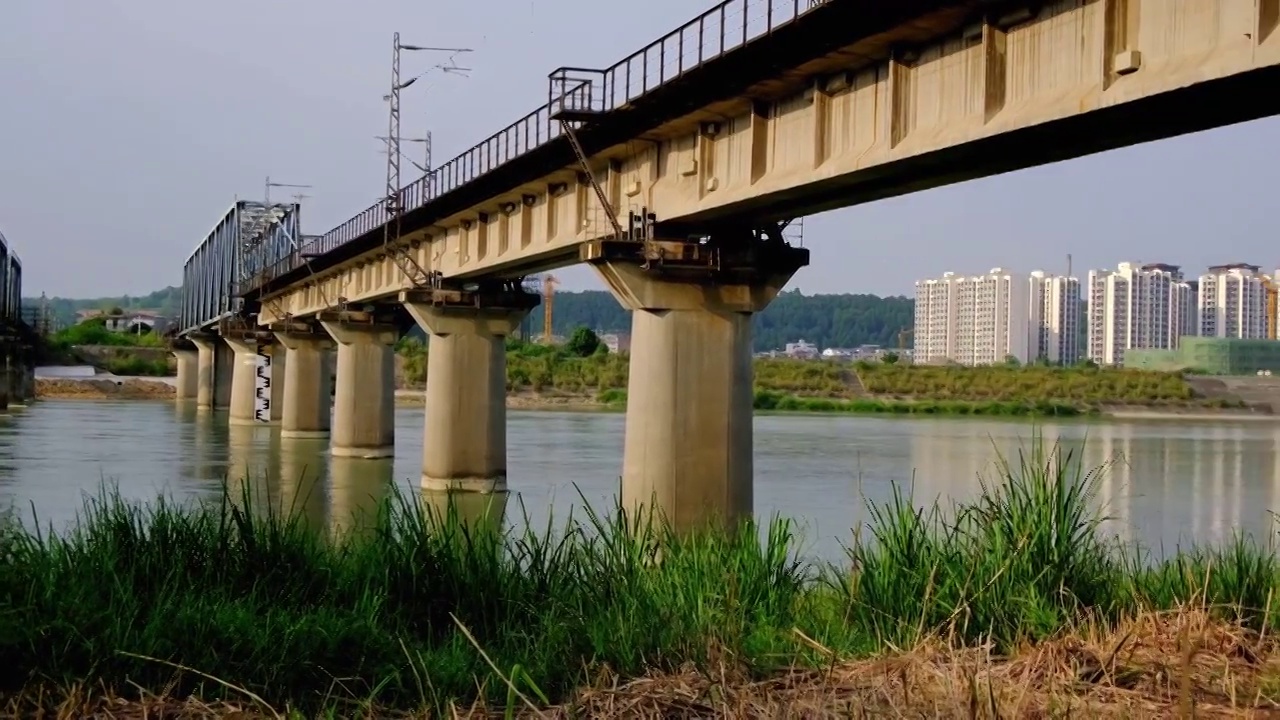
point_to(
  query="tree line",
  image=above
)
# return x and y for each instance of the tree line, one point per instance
(824, 320)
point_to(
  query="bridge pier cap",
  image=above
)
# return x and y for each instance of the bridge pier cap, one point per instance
(465, 438)
(683, 275)
(688, 450)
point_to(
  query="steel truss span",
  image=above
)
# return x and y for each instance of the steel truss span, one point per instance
(251, 237)
(10, 285)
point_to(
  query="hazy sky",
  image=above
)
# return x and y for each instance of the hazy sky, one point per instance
(127, 127)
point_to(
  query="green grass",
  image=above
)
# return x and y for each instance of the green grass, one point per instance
(263, 602)
(773, 401)
(1082, 387)
(827, 386)
(132, 365)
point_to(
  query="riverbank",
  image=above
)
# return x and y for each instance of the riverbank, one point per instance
(106, 388)
(540, 377)
(1014, 602)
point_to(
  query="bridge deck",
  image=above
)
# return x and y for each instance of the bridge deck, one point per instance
(838, 105)
(737, 48)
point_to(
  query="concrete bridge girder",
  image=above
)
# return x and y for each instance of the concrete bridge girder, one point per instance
(975, 100)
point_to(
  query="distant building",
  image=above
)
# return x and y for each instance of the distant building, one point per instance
(1233, 302)
(862, 352)
(1211, 356)
(617, 342)
(134, 321)
(979, 320)
(1137, 307)
(801, 349)
(1054, 320)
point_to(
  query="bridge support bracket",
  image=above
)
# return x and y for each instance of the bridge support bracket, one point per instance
(676, 261)
(354, 317)
(296, 327)
(508, 296)
(237, 326)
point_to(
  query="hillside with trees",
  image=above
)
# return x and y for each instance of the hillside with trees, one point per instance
(165, 302)
(825, 320)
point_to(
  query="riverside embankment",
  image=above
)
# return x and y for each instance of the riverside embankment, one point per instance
(1013, 604)
(554, 378)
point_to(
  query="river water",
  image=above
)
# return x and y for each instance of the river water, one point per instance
(1169, 482)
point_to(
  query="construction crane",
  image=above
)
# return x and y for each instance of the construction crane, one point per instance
(548, 296)
(903, 334)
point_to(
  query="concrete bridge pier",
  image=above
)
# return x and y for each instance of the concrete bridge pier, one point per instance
(12, 376)
(306, 400)
(214, 361)
(23, 378)
(188, 372)
(364, 394)
(29, 382)
(249, 347)
(244, 377)
(206, 370)
(28, 378)
(465, 440)
(688, 448)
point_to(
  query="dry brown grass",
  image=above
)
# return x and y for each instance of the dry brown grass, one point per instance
(1177, 664)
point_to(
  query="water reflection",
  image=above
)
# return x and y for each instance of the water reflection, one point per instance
(252, 469)
(201, 445)
(357, 487)
(302, 479)
(1159, 484)
(477, 510)
(1168, 482)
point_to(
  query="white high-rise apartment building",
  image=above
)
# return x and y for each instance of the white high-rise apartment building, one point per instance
(1054, 319)
(934, 337)
(1233, 302)
(1138, 306)
(971, 320)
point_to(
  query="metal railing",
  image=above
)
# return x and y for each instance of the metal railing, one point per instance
(726, 27)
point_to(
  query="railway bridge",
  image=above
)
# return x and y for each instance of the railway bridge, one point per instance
(674, 173)
(17, 338)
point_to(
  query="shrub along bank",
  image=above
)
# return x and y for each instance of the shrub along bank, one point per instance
(420, 612)
(1080, 386)
(787, 385)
